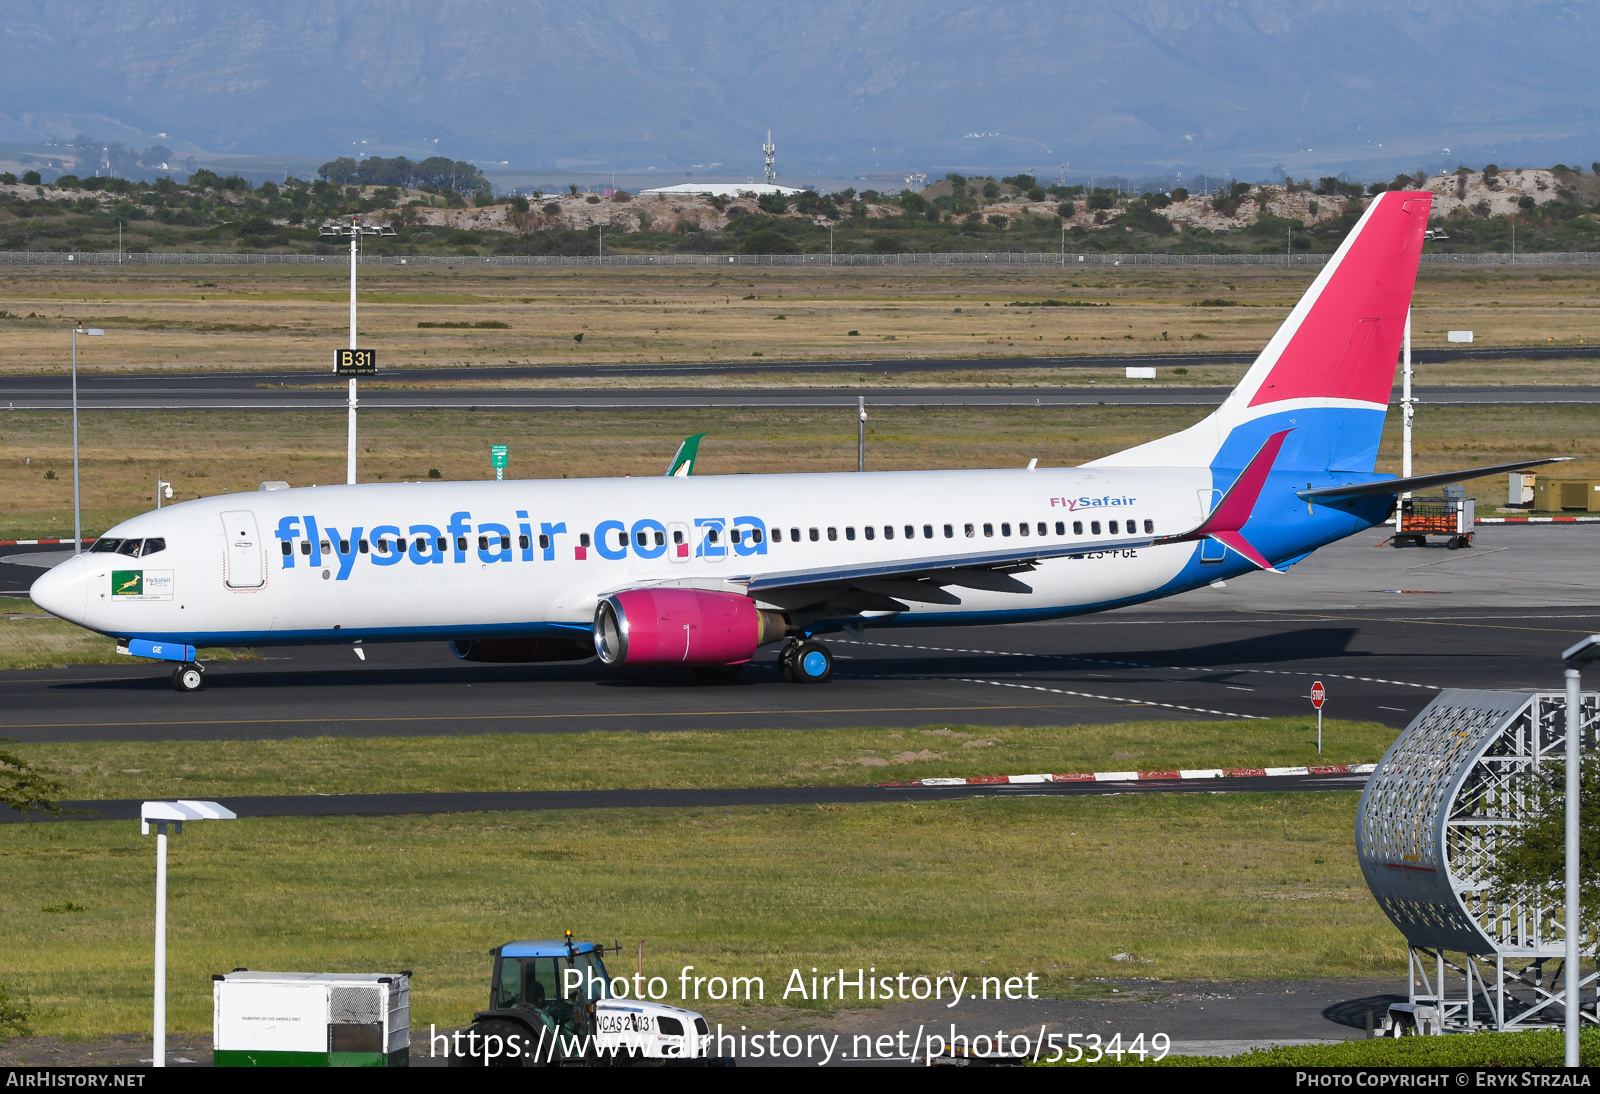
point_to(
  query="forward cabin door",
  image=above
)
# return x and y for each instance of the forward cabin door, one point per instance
(245, 560)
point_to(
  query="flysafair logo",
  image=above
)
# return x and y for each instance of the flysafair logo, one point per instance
(1072, 505)
(461, 540)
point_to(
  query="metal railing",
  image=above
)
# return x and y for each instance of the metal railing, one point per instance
(925, 259)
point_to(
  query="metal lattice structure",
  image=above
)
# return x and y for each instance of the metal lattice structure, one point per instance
(1449, 792)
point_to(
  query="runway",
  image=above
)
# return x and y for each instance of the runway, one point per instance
(302, 389)
(1384, 630)
(159, 395)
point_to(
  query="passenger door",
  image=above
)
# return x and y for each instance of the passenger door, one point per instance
(246, 561)
(678, 541)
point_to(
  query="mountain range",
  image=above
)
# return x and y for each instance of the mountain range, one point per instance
(1140, 87)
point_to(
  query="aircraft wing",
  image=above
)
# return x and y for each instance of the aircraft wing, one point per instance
(1421, 482)
(882, 586)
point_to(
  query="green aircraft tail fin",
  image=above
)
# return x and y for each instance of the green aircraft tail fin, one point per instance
(683, 463)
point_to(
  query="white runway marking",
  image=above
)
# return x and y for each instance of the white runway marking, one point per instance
(1065, 691)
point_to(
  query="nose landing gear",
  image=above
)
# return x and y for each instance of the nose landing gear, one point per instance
(805, 662)
(187, 677)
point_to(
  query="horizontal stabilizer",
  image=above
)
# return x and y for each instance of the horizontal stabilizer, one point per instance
(1233, 511)
(1420, 482)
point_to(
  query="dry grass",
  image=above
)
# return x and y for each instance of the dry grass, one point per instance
(206, 453)
(220, 317)
(30, 639)
(1198, 886)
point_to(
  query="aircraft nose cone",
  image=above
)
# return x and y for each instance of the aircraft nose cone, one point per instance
(64, 590)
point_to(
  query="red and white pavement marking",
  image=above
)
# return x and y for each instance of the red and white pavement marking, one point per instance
(37, 542)
(1146, 776)
(1537, 520)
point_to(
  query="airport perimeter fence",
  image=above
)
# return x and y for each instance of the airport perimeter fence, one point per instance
(933, 259)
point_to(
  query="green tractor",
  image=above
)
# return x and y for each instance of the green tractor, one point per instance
(550, 1004)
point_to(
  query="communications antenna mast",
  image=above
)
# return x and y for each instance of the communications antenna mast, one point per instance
(770, 150)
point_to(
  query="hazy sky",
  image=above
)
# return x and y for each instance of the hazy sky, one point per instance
(1136, 87)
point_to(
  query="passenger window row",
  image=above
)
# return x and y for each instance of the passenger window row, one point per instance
(139, 548)
(1128, 527)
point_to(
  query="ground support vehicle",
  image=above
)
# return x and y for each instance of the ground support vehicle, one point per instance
(1436, 516)
(537, 1017)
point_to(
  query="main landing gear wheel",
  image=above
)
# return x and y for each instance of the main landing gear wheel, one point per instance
(807, 663)
(187, 678)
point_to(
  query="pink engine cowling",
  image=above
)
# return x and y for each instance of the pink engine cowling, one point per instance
(681, 627)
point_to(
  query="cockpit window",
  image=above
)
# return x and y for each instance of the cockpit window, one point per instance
(151, 546)
(130, 547)
(104, 544)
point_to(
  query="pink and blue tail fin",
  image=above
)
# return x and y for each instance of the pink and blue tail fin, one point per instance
(1328, 371)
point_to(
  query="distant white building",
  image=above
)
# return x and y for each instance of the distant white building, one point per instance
(722, 189)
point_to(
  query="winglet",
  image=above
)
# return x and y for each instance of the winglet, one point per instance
(683, 463)
(1232, 513)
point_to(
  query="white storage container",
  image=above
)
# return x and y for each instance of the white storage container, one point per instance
(311, 1019)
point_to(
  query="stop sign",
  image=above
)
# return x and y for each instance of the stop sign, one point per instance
(1319, 695)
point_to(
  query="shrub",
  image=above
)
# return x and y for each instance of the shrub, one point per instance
(7, 178)
(1526, 201)
(1020, 182)
(621, 195)
(31, 178)
(1157, 200)
(551, 209)
(433, 473)
(1036, 193)
(1180, 194)
(592, 200)
(774, 204)
(519, 203)
(886, 245)
(578, 337)
(68, 182)
(990, 190)
(24, 788)
(1067, 209)
(999, 221)
(769, 241)
(15, 1013)
(1101, 199)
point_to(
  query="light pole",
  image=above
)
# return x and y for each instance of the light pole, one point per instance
(354, 230)
(77, 515)
(159, 487)
(1407, 412)
(861, 436)
(162, 814)
(1579, 655)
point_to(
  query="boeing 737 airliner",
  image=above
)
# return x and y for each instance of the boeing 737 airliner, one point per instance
(703, 571)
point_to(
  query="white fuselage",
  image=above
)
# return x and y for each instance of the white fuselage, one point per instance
(533, 557)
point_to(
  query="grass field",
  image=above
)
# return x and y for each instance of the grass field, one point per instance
(1191, 886)
(588, 761)
(123, 452)
(221, 317)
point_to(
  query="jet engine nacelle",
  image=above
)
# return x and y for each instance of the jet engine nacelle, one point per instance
(671, 626)
(507, 651)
